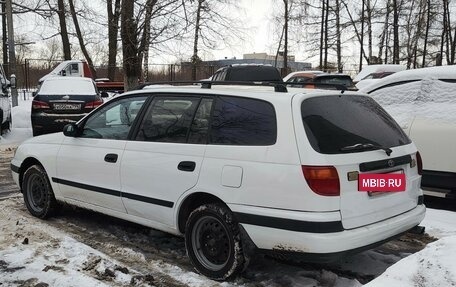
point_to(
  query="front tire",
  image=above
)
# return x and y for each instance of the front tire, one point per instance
(213, 242)
(38, 195)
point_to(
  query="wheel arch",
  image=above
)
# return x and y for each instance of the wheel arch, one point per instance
(28, 162)
(190, 203)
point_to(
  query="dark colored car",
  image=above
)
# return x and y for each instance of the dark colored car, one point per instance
(322, 80)
(62, 100)
(247, 72)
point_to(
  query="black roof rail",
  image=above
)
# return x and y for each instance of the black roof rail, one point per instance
(278, 86)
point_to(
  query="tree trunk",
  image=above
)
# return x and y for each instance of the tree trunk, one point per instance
(338, 40)
(145, 41)
(285, 50)
(195, 59)
(361, 38)
(369, 29)
(395, 32)
(113, 31)
(81, 40)
(325, 64)
(322, 32)
(426, 34)
(129, 36)
(63, 30)
(385, 32)
(442, 38)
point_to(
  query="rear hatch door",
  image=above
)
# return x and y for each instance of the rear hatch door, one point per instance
(327, 125)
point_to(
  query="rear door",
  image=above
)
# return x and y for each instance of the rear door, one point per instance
(333, 123)
(164, 159)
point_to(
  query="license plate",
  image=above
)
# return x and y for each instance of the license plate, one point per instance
(375, 184)
(67, 106)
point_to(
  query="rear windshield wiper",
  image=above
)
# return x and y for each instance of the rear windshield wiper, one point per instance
(365, 146)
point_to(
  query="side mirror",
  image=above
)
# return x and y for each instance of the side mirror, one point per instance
(63, 73)
(33, 93)
(13, 81)
(104, 94)
(70, 130)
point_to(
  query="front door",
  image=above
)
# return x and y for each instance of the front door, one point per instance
(88, 166)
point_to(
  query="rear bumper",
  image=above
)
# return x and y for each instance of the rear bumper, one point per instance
(326, 246)
(53, 122)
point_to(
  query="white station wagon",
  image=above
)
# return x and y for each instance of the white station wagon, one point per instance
(232, 169)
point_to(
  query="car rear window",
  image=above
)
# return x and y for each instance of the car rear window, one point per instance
(335, 122)
(253, 73)
(339, 80)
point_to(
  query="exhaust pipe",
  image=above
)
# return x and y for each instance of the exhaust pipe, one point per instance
(417, 230)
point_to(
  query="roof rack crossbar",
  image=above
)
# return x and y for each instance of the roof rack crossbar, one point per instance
(278, 86)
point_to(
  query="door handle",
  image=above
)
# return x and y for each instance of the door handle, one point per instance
(111, 157)
(186, 166)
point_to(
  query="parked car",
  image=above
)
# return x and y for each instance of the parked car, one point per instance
(247, 72)
(232, 169)
(380, 68)
(6, 118)
(321, 80)
(62, 100)
(372, 73)
(423, 101)
(308, 74)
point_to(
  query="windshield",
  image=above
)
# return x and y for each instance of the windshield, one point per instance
(333, 123)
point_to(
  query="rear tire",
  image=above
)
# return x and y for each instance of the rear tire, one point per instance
(38, 195)
(213, 242)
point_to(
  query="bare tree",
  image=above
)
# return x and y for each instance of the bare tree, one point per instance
(130, 41)
(81, 39)
(113, 31)
(63, 30)
(212, 26)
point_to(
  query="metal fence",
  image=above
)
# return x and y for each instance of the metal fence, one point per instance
(29, 72)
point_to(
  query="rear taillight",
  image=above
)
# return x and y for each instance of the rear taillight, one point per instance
(323, 180)
(93, 105)
(39, 105)
(419, 163)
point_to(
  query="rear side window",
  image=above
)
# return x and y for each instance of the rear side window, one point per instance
(168, 119)
(335, 122)
(243, 121)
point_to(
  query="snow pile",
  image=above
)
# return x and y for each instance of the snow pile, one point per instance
(434, 265)
(22, 126)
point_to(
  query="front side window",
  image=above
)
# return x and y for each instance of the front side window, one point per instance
(243, 121)
(168, 119)
(114, 120)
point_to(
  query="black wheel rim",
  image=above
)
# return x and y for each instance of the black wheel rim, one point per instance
(211, 243)
(37, 194)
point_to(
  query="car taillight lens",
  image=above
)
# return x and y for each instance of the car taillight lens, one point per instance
(93, 105)
(39, 105)
(323, 180)
(419, 163)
